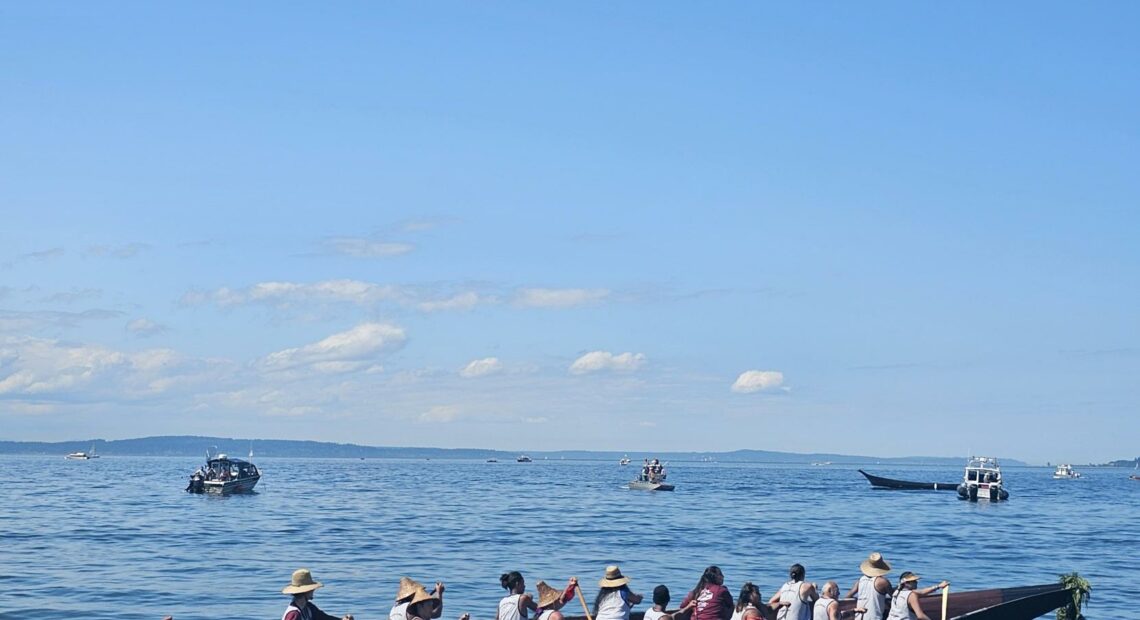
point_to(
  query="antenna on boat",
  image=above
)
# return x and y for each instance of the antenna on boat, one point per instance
(251, 451)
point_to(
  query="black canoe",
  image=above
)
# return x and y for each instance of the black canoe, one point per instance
(1022, 603)
(887, 483)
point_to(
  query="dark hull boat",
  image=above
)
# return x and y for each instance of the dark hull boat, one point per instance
(225, 476)
(1024, 603)
(888, 483)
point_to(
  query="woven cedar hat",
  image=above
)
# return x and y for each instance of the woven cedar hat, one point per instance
(875, 565)
(547, 595)
(422, 595)
(302, 581)
(408, 587)
(908, 576)
(613, 578)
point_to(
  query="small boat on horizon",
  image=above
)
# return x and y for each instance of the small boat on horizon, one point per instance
(492, 460)
(624, 460)
(982, 480)
(1066, 472)
(652, 478)
(83, 456)
(524, 459)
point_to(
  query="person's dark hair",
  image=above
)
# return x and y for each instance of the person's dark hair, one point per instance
(746, 595)
(797, 572)
(712, 574)
(511, 580)
(661, 595)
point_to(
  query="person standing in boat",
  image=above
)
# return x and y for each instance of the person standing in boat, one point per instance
(615, 599)
(795, 598)
(872, 590)
(827, 607)
(748, 604)
(713, 600)
(517, 604)
(904, 603)
(404, 594)
(551, 600)
(301, 606)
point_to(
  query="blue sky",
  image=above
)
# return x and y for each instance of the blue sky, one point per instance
(887, 229)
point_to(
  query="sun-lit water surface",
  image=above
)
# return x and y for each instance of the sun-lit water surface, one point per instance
(118, 538)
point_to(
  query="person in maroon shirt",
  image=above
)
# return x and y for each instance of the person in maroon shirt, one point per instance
(713, 600)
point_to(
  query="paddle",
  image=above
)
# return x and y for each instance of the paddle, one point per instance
(585, 607)
(945, 600)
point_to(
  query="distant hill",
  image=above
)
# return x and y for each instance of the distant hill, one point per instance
(188, 445)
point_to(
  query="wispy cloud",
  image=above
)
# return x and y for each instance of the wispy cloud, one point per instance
(128, 250)
(751, 381)
(481, 367)
(596, 361)
(559, 297)
(145, 328)
(440, 413)
(72, 296)
(285, 294)
(26, 321)
(362, 247)
(35, 257)
(460, 301)
(347, 351)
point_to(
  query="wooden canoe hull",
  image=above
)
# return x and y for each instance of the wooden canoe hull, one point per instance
(889, 483)
(1022, 603)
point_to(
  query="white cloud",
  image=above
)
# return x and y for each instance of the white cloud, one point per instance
(604, 360)
(751, 381)
(440, 413)
(355, 349)
(146, 327)
(38, 256)
(461, 301)
(536, 420)
(559, 297)
(285, 294)
(360, 247)
(481, 367)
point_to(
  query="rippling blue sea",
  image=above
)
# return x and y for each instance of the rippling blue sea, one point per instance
(118, 538)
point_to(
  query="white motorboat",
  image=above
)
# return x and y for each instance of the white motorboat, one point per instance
(1066, 472)
(982, 480)
(624, 460)
(83, 456)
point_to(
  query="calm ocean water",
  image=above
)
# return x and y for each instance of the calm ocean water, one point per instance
(118, 538)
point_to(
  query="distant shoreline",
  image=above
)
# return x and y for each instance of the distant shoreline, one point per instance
(185, 446)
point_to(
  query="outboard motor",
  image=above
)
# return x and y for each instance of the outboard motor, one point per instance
(196, 484)
(973, 492)
(993, 494)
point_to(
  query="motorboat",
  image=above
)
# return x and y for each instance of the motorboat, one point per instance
(1066, 472)
(652, 478)
(83, 456)
(492, 460)
(224, 475)
(524, 459)
(624, 460)
(982, 480)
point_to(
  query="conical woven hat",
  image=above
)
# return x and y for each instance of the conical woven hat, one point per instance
(547, 595)
(408, 587)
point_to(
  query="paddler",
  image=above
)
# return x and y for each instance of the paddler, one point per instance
(615, 599)
(904, 603)
(517, 604)
(551, 600)
(404, 594)
(301, 606)
(872, 590)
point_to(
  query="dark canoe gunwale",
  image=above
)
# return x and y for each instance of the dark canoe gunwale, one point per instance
(1020, 603)
(888, 483)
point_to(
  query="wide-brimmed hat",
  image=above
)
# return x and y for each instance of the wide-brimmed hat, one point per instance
(908, 576)
(613, 578)
(547, 595)
(875, 565)
(408, 587)
(422, 595)
(302, 582)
